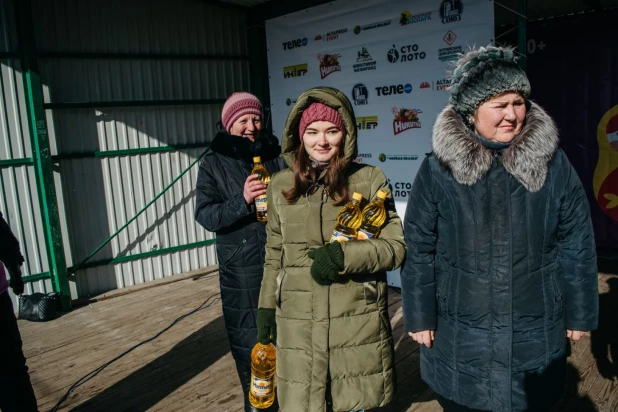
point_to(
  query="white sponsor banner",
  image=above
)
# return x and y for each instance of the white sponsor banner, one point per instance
(390, 58)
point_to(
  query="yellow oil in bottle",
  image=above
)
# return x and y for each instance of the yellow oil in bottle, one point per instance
(374, 216)
(348, 221)
(263, 362)
(261, 202)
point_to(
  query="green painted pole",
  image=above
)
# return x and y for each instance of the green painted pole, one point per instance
(522, 6)
(41, 153)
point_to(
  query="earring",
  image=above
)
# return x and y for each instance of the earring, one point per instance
(471, 119)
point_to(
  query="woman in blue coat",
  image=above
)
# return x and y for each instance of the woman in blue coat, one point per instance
(501, 263)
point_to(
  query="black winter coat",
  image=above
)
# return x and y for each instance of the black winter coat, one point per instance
(501, 261)
(241, 239)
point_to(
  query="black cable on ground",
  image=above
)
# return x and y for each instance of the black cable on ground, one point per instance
(98, 370)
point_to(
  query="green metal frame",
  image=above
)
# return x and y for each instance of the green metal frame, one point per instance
(16, 162)
(41, 153)
(129, 152)
(143, 255)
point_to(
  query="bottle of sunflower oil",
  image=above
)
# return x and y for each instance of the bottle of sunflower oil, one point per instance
(263, 362)
(261, 203)
(349, 220)
(374, 216)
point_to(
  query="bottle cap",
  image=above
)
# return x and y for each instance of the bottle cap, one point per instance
(381, 194)
(357, 196)
(257, 159)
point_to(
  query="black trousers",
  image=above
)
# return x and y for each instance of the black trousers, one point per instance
(16, 394)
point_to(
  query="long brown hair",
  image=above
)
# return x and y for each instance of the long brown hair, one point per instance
(305, 176)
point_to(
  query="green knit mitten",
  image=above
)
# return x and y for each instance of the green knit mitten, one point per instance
(266, 325)
(327, 262)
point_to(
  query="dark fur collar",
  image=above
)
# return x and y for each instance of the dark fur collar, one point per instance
(266, 146)
(526, 159)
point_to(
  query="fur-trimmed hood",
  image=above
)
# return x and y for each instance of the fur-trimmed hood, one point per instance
(527, 159)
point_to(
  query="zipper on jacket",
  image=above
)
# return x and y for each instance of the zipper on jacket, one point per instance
(235, 252)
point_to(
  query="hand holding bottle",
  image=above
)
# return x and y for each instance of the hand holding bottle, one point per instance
(254, 187)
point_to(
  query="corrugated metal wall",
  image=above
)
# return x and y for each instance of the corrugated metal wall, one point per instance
(19, 201)
(97, 195)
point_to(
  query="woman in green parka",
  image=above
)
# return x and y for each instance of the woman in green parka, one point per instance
(326, 303)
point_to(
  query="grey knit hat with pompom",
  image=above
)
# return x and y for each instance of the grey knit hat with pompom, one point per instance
(483, 73)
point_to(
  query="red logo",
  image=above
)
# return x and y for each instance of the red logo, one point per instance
(405, 119)
(329, 63)
(450, 37)
(425, 85)
(318, 37)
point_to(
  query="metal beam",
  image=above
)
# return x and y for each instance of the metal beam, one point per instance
(140, 56)
(130, 152)
(276, 8)
(522, 8)
(41, 153)
(143, 255)
(131, 103)
(16, 162)
(35, 277)
(258, 80)
(9, 55)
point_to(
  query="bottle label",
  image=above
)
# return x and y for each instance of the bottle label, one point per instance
(261, 204)
(364, 235)
(261, 387)
(340, 237)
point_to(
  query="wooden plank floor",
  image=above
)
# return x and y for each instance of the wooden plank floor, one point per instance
(190, 368)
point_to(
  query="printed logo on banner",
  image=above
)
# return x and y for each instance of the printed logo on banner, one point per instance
(405, 119)
(360, 95)
(331, 35)
(364, 61)
(367, 122)
(450, 11)
(408, 54)
(394, 89)
(406, 17)
(362, 156)
(296, 70)
(425, 85)
(371, 26)
(329, 64)
(449, 53)
(450, 37)
(295, 44)
(443, 84)
(289, 101)
(384, 157)
(402, 189)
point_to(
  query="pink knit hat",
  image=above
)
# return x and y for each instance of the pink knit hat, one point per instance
(238, 105)
(319, 112)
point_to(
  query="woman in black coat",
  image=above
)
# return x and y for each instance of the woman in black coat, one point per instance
(225, 194)
(501, 262)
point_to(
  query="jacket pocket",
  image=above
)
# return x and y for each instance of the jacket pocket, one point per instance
(280, 278)
(443, 278)
(558, 302)
(234, 253)
(386, 324)
(370, 290)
